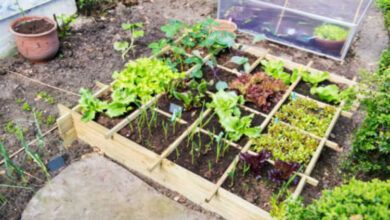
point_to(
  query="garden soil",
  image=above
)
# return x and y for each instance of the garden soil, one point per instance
(87, 56)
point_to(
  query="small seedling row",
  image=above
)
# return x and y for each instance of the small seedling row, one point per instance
(167, 168)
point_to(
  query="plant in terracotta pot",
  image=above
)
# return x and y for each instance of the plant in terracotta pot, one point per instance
(36, 37)
(330, 37)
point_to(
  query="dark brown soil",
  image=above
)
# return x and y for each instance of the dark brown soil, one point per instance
(35, 26)
(258, 192)
(223, 58)
(154, 139)
(200, 164)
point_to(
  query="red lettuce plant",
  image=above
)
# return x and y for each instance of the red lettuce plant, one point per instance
(282, 172)
(259, 88)
(256, 162)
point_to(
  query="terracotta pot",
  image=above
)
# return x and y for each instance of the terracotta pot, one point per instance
(36, 47)
(225, 25)
(333, 46)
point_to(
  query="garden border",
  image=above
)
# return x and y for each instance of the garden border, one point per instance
(194, 187)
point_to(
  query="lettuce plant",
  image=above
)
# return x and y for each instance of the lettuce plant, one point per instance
(307, 115)
(259, 88)
(286, 144)
(255, 162)
(282, 172)
(276, 70)
(329, 93)
(330, 32)
(137, 84)
(314, 77)
(90, 105)
(225, 106)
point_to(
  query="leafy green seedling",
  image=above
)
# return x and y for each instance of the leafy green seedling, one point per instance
(198, 61)
(173, 28)
(232, 174)
(258, 38)
(26, 107)
(135, 33)
(19, 101)
(158, 46)
(241, 61)
(46, 97)
(65, 20)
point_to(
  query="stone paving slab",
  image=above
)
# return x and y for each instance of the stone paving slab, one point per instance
(97, 188)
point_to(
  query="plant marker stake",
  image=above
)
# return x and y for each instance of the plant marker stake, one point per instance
(294, 95)
(173, 116)
(276, 120)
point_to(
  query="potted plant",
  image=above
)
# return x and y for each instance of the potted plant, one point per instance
(330, 37)
(36, 37)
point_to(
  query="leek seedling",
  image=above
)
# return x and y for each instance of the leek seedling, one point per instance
(245, 168)
(34, 156)
(148, 143)
(226, 147)
(232, 174)
(9, 165)
(130, 125)
(192, 152)
(165, 128)
(209, 165)
(140, 123)
(177, 153)
(211, 136)
(219, 146)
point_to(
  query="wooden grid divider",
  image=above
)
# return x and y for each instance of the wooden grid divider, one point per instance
(249, 143)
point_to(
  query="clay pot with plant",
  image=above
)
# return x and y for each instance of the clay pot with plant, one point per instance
(330, 37)
(36, 37)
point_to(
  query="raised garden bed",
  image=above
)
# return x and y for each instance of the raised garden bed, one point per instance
(188, 160)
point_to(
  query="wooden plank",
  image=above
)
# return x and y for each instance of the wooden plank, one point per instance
(170, 175)
(66, 127)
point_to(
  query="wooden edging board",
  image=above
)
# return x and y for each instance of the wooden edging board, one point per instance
(176, 178)
(170, 175)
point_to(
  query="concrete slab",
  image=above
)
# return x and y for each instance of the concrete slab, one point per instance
(97, 188)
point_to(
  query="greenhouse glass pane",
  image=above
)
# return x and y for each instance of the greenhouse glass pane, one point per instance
(322, 27)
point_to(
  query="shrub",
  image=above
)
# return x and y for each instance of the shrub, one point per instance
(371, 144)
(368, 200)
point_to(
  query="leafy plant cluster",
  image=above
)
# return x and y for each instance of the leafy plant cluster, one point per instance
(329, 93)
(194, 38)
(136, 84)
(371, 143)
(384, 5)
(280, 173)
(195, 95)
(307, 115)
(259, 88)
(276, 70)
(65, 20)
(286, 144)
(356, 200)
(229, 114)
